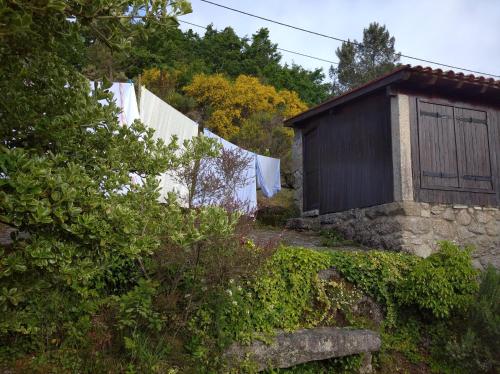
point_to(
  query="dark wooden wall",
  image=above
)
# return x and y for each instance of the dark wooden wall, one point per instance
(355, 156)
(311, 160)
(469, 159)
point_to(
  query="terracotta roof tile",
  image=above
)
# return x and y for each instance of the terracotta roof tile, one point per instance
(452, 75)
(418, 70)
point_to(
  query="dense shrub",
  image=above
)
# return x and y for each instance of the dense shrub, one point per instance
(277, 210)
(443, 282)
(377, 273)
(476, 348)
(278, 297)
(332, 238)
(286, 294)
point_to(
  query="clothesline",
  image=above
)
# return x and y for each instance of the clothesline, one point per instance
(262, 172)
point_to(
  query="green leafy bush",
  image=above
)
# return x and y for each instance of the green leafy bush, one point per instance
(277, 210)
(280, 296)
(285, 293)
(332, 238)
(441, 283)
(476, 349)
(377, 273)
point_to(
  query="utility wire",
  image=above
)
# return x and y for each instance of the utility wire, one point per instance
(303, 54)
(281, 49)
(343, 40)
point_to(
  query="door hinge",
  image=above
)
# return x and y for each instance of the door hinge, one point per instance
(438, 175)
(472, 120)
(477, 178)
(433, 114)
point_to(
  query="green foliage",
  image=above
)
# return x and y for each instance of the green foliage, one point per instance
(331, 238)
(360, 63)
(404, 338)
(286, 294)
(220, 52)
(340, 365)
(443, 282)
(278, 209)
(283, 296)
(309, 84)
(474, 348)
(376, 273)
(280, 297)
(139, 325)
(82, 229)
(136, 308)
(75, 239)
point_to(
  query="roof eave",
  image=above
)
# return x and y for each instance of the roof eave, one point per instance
(398, 75)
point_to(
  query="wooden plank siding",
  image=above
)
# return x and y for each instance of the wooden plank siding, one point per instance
(356, 155)
(437, 146)
(311, 168)
(474, 157)
(475, 141)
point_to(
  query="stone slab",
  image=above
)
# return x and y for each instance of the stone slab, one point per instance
(294, 348)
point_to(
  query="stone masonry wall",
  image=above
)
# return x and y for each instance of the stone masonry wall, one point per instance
(416, 228)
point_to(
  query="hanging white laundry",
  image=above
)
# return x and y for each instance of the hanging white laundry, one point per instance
(126, 101)
(268, 175)
(166, 121)
(247, 194)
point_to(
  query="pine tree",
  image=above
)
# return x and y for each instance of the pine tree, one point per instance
(362, 62)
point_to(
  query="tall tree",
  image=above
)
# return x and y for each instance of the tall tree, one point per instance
(260, 53)
(223, 50)
(186, 54)
(64, 169)
(226, 104)
(309, 84)
(362, 62)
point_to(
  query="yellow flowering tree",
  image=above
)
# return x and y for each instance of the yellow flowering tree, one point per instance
(226, 105)
(248, 113)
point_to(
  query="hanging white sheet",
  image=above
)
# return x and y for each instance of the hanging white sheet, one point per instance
(126, 101)
(268, 175)
(166, 121)
(247, 194)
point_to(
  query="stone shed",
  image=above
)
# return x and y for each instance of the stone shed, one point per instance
(404, 161)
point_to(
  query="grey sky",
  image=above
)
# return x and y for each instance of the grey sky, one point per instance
(463, 33)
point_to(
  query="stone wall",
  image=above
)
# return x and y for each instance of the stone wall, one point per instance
(416, 228)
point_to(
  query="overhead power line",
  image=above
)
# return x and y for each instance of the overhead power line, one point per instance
(303, 54)
(281, 49)
(343, 40)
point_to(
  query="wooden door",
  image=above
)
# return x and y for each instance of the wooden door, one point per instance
(473, 149)
(311, 170)
(437, 145)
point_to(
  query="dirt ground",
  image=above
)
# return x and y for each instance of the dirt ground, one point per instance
(264, 236)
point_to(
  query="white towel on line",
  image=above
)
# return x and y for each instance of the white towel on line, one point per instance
(268, 175)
